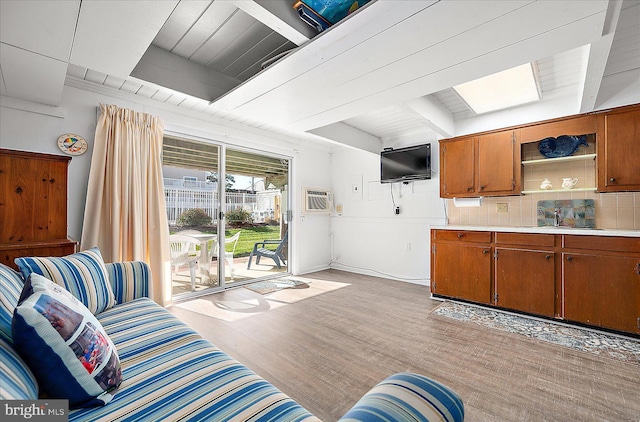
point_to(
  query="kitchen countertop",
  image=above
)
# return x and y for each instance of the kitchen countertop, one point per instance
(545, 230)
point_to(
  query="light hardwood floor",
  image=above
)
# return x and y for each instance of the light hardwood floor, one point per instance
(326, 345)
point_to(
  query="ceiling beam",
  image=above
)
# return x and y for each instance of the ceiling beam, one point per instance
(112, 36)
(280, 17)
(169, 70)
(346, 135)
(598, 56)
(433, 114)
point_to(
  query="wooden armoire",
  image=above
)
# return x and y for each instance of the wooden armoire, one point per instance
(33, 205)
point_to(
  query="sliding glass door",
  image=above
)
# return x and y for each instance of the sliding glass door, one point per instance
(256, 224)
(225, 231)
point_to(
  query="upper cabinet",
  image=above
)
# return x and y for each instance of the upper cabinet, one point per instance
(458, 167)
(618, 163)
(498, 162)
(480, 166)
(507, 162)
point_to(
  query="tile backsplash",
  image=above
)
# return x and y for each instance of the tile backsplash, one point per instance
(613, 210)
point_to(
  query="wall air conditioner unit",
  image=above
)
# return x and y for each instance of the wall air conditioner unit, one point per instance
(317, 200)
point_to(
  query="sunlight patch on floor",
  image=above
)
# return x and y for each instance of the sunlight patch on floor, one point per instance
(237, 304)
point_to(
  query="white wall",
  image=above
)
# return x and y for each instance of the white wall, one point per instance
(369, 237)
(34, 131)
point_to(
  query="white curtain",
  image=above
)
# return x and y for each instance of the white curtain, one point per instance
(125, 214)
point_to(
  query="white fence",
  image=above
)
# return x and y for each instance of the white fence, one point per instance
(184, 195)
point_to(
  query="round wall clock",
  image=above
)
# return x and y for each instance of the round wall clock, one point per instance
(72, 144)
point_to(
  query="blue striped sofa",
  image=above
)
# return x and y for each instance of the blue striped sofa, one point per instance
(171, 373)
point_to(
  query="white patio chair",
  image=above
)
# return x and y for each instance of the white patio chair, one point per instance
(193, 250)
(228, 256)
(183, 251)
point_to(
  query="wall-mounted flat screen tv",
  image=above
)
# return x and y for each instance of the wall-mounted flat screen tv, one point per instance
(405, 164)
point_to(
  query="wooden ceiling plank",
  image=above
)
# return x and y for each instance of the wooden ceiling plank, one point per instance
(236, 39)
(563, 38)
(374, 19)
(352, 84)
(183, 17)
(207, 25)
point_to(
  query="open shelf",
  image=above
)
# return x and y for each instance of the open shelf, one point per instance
(527, 192)
(559, 160)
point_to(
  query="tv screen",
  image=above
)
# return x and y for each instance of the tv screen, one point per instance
(405, 164)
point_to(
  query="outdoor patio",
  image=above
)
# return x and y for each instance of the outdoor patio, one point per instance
(181, 280)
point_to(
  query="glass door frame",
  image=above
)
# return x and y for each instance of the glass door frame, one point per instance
(221, 222)
(222, 203)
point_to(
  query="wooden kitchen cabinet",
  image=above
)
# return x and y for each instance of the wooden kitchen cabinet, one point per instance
(525, 280)
(486, 165)
(588, 279)
(498, 165)
(567, 126)
(462, 271)
(461, 265)
(458, 168)
(602, 289)
(618, 164)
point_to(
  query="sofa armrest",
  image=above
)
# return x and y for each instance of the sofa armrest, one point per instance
(407, 396)
(129, 280)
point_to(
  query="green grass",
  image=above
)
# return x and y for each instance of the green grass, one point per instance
(249, 236)
(252, 235)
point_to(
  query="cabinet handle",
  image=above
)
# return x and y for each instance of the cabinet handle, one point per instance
(460, 235)
(547, 256)
(485, 251)
(569, 258)
(612, 180)
(470, 188)
(482, 187)
(638, 268)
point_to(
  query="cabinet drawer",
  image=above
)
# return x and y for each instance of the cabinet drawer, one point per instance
(462, 236)
(525, 239)
(602, 243)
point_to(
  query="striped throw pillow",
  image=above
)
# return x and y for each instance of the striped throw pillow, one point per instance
(83, 274)
(11, 284)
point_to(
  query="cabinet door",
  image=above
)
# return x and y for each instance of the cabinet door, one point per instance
(457, 163)
(496, 163)
(602, 290)
(33, 203)
(619, 165)
(525, 280)
(462, 271)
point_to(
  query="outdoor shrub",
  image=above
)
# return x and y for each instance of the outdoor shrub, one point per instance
(239, 216)
(193, 217)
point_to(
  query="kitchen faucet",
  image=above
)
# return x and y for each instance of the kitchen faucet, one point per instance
(557, 217)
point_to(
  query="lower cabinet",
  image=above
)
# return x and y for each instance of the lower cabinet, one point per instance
(602, 290)
(593, 280)
(462, 271)
(525, 280)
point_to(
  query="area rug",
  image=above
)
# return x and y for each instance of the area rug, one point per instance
(602, 344)
(270, 286)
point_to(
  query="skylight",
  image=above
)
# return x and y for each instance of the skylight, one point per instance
(509, 88)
